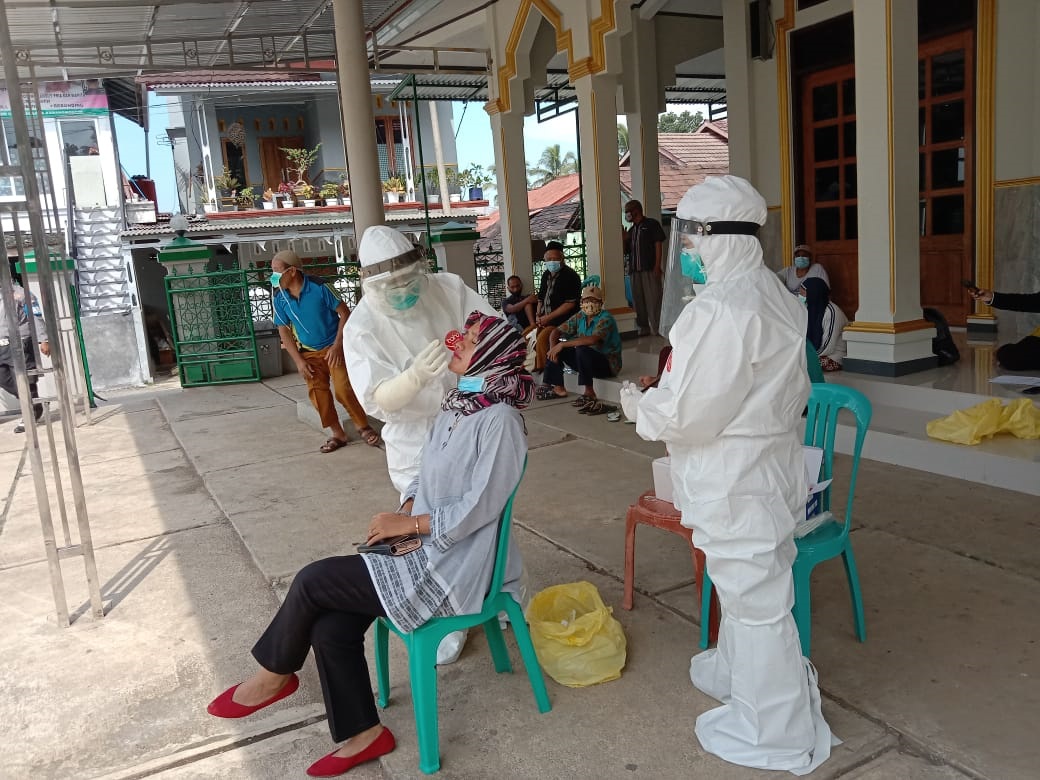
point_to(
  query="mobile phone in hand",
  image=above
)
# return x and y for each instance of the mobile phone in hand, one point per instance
(970, 285)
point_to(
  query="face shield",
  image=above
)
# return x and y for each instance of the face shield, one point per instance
(396, 284)
(684, 273)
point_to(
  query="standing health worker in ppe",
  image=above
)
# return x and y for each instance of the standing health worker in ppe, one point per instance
(395, 353)
(728, 406)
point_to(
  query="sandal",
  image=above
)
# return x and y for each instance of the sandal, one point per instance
(369, 436)
(582, 400)
(544, 393)
(597, 407)
(332, 445)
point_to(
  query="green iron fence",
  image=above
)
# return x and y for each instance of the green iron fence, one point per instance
(491, 275)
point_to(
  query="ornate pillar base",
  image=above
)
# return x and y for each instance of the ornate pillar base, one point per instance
(891, 349)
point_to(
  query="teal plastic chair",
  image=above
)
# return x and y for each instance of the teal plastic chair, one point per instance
(812, 362)
(831, 539)
(422, 647)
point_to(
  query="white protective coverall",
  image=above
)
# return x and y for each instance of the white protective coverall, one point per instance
(729, 408)
(379, 343)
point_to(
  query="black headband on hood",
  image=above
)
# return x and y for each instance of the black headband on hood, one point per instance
(695, 227)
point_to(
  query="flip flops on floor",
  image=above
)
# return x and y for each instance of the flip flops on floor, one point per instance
(596, 407)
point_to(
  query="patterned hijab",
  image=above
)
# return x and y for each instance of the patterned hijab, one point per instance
(499, 359)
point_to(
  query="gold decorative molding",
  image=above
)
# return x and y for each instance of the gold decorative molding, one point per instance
(783, 97)
(888, 327)
(985, 111)
(581, 68)
(598, 30)
(1007, 183)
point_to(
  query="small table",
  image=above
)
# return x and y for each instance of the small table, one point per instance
(651, 510)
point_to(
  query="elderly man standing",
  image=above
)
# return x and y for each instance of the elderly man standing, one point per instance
(310, 319)
(645, 245)
(9, 341)
(729, 408)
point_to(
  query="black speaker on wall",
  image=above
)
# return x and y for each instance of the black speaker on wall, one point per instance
(761, 32)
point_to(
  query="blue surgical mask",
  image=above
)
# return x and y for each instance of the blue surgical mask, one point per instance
(276, 277)
(801, 299)
(692, 266)
(471, 384)
(802, 262)
(402, 298)
(552, 266)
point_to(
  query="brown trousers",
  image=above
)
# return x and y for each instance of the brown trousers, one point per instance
(541, 348)
(321, 396)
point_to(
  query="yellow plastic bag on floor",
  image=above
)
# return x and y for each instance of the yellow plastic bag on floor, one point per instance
(577, 640)
(970, 426)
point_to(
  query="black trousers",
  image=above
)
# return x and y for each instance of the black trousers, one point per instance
(7, 378)
(587, 361)
(1023, 355)
(330, 606)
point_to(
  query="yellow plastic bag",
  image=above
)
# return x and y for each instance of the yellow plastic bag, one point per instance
(577, 640)
(970, 426)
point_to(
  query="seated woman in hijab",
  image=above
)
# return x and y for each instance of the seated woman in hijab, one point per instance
(826, 322)
(477, 445)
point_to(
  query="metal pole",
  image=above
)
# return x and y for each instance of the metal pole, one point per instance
(35, 214)
(422, 168)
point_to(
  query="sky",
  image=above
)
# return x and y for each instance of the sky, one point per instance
(473, 142)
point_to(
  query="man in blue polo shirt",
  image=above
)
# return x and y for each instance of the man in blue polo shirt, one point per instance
(310, 319)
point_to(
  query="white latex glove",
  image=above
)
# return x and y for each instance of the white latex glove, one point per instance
(630, 396)
(397, 393)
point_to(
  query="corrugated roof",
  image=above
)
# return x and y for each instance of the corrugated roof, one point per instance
(226, 77)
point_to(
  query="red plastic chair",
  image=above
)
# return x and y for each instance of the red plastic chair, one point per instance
(651, 510)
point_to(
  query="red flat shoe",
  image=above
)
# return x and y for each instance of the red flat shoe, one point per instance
(225, 707)
(332, 765)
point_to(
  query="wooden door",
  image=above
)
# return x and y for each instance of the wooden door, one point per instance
(272, 158)
(829, 179)
(946, 207)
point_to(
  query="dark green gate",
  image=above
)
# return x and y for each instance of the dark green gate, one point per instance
(212, 327)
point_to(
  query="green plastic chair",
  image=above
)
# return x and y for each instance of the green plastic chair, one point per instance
(812, 362)
(422, 647)
(831, 539)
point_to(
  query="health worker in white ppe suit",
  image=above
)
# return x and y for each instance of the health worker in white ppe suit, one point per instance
(395, 352)
(729, 408)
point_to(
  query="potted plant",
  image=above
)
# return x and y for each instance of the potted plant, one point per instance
(245, 199)
(433, 184)
(330, 193)
(479, 179)
(269, 198)
(287, 193)
(226, 183)
(393, 187)
(344, 191)
(305, 192)
(452, 175)
(299, 161)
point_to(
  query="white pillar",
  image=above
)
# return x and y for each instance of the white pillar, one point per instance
(735, 26)
(889, 335)
(453, 246)
(355, 100)
(601, 184)
(507, 131)
(644, 160)
(438, 155)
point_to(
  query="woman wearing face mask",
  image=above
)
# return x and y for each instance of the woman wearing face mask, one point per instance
(480, 443)
(592, 348)
(803, 268)
(826, 323)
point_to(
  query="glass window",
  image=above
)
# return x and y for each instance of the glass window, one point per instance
(948, 168)
(851, 222)
(848, 97)
(948, 215)
(825, 102)
(920, 79)
(827, 187)
(849, 130)
(921, 177)
(850, 180)
(825, 143)
(922, 127)
(948, 72)
(80, 138)
(828, 224)
(922, 210)
(948, 121)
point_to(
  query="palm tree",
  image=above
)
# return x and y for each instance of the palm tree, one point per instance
(622, 140)
(552, 165)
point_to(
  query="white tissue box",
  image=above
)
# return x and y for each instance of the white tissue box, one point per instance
(663, 479)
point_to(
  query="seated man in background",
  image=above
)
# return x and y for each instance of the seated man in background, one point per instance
(804, 267)
(592, 348)
(519, 308)
(1023, 355)
(826, 324)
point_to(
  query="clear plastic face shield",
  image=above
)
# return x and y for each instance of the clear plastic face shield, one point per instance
(684, 274)
(396, 284)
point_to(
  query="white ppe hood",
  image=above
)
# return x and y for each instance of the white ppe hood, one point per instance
(729, 408)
